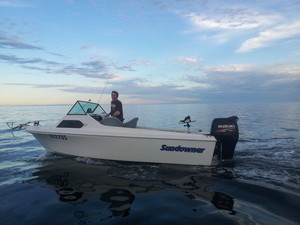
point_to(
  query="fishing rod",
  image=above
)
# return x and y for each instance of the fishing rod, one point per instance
(104, 87)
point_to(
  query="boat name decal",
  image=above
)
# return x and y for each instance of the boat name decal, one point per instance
(179, 148)
(58, 136)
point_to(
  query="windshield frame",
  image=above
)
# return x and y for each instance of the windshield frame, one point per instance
(82, 107)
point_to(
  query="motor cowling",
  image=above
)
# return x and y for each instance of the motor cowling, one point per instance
(226, 131)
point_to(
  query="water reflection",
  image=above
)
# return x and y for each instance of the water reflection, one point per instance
(120, 199)
(115, 188)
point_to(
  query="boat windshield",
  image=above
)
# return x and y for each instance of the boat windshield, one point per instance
(83, 107)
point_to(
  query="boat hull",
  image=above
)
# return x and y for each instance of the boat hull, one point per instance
(125, 148)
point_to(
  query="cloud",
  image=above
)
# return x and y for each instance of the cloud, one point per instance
(124, 68)
(85, 47)
(14, 42)
(230, 18)
(14, 3)
(188, 60)
(132, 63)
(141, 62)
(225, 23)
(162, 93)
(97, 65)
(92, 69)
(252, 79)
(81, 89)
(62, 87)
(227, 83)
(269, 36)
(36, 85)
(17, 60)
(135, 89)
(248, 83)
(18, 45)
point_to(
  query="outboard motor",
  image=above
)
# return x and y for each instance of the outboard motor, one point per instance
(226, 131)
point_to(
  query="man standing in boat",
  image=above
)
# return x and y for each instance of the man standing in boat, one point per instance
(116, 108)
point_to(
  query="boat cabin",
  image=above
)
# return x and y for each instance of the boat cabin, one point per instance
(95, 111)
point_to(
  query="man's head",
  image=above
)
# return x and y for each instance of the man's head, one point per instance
(114, 95)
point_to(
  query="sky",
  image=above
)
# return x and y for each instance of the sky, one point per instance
(150, 51)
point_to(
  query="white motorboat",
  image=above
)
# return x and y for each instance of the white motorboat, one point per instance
(86, 131)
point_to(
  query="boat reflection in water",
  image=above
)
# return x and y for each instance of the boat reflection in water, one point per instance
(108, 191)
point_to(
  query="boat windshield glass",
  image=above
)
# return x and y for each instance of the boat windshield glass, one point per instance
(83, 107)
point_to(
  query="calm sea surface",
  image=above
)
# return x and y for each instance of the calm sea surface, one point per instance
(260, 186)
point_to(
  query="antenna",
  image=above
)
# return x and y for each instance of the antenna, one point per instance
(104, 87)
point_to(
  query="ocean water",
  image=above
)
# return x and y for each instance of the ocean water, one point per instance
(261, 185)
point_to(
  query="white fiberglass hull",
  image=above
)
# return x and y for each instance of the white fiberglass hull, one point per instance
(127, 144)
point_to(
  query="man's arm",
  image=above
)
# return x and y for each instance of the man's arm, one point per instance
(116, 113)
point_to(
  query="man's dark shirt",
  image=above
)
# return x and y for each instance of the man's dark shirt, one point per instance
(117, 106)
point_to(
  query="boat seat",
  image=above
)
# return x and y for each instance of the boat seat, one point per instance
(112, 121)
(131, 123)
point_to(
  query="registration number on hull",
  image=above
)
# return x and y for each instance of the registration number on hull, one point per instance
(58, 136)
